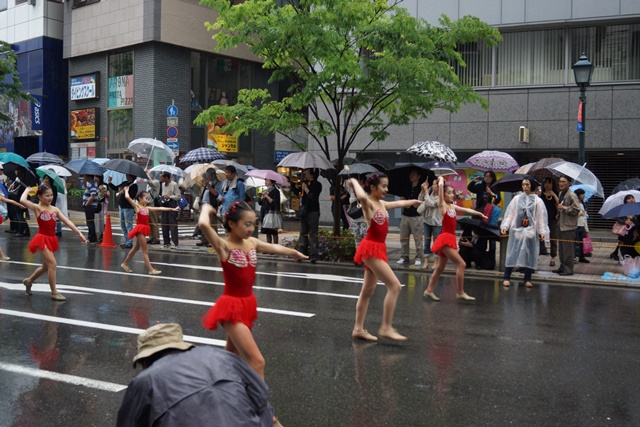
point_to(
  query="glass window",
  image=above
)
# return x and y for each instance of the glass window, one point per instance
(120, 129)
(80, 3)
(531, 57)
(614, 51)
(20, 2)
(477, 57)
(3, 5)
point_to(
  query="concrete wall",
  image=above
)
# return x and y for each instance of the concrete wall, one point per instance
(518, 12)
(26, 22)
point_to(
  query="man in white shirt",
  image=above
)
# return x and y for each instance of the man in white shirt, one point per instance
(170, 197)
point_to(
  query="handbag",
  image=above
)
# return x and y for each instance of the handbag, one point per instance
(631, 266)
(620, 229)
(196, 204)
(355, 211)
(587, 246)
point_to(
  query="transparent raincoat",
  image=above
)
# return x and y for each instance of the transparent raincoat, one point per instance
(526, 220)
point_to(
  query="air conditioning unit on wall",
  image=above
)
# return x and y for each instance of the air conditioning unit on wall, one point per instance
(523, 135)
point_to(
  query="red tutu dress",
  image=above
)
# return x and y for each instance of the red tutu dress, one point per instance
(237, 303)
(448, 235)
(373, 245)
(142, 224)
(46, 237)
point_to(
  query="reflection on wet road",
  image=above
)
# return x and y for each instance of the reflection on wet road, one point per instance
(548, 355)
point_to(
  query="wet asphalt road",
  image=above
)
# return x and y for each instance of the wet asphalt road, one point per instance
(552, 355)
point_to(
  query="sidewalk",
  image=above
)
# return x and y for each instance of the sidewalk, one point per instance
(600, 264)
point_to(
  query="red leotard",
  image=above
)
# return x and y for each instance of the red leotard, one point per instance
(237, 303)
(142, 224)
(46, 237)
(448, 235)
(373, 245)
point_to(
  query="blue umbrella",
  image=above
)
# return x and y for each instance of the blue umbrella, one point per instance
(626, 209)
(14, 158)
(85, 167)
(588, 190)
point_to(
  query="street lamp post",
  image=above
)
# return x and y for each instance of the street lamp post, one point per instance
(582, 71)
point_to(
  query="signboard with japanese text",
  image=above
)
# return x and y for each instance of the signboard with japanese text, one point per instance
(84, 124)
(226, 143)
(281, 154)
(85, 87)
(121, 91)
(83, 150)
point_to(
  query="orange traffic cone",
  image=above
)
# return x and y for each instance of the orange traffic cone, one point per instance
(107, 238)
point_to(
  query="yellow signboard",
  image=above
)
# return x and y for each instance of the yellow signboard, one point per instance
(226, 143)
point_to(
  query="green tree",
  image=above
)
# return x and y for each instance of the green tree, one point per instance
(352, 67)
(10, 86)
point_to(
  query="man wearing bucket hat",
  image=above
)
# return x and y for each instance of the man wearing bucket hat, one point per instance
(182, 384)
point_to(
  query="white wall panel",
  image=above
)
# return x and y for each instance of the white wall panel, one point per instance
(595, 8)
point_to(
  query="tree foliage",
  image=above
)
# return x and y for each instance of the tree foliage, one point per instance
(10, 85)
(352, 67)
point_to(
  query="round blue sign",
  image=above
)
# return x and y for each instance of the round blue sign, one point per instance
(172, 132)
(172, 111)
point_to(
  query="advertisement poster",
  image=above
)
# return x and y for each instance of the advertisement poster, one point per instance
(84, 124)
(25, 119)
(84, 87)
(121, 91)
(220, 141)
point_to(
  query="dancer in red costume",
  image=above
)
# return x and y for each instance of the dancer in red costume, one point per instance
(236, 309)
(372, 251)
(46, 242)
(141, 230)
(3, 199)
(445, 245)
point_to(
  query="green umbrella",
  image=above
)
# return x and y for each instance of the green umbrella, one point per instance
(14, 158)
(57, 181)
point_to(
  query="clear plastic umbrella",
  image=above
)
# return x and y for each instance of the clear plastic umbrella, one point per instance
(580, 174)
(145, 147)
(59, 170)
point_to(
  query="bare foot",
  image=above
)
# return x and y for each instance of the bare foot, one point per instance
(126, 268)
(363, 335)
(391, 334)
(27, 284)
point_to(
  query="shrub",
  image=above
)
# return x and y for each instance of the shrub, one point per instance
(75, 192)
(330, 248)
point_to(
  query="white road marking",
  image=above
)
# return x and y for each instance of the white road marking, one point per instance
(65, 378)
(173, 279)
(37, 287)
(103, 326)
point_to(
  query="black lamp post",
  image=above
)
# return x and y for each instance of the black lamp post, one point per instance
(582, 71)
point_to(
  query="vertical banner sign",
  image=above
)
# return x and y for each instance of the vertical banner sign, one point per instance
(580, 123)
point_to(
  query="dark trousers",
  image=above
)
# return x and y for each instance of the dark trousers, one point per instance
(170, 226)
(527, 273)
(566, 250)
(20, 217)
(308, 243)
(581, 233)
(89, 213)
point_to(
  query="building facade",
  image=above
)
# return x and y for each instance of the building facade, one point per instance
(155, 68)
(34, 29)
(529, 83)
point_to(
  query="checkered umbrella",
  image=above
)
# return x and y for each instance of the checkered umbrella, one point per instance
(495, 161)
(202, 155)
(44, 157)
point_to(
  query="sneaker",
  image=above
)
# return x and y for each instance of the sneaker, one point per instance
(417, 263)
(166, 246)
(173, 246)
(402, 261)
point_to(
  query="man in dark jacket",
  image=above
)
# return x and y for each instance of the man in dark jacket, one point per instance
(181, 384)
(310, 191)
(411, 221)
(125, 208)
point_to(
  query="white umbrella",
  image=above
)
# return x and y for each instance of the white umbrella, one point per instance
(253, 182)
(58, 170)
(578, 173)
(144, 147)
(618, 199)
(173, 170)
(433, 150)
(305, 160)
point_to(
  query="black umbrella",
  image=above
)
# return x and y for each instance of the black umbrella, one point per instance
(126, 167)
(358, 169)
(399, 178)
(44, 158)
(629, 184)
(26, 175)
(481, 228)
(512, 183)
(381, 165)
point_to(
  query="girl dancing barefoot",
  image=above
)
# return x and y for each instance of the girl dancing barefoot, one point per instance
(3, 257)
(445, 245)
(141, 230)
(236, 309)
(372, 251)
(46, 242)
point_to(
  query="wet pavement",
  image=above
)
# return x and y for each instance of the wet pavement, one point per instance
(551, 355)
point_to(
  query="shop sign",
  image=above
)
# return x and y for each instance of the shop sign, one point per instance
(84, 124)
(226, 143)
(85, 87)
(121, 91)
(281, 154)
(83, 150)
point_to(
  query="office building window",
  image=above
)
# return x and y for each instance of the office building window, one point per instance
(477, 58)
(120, 103)
(80, 3)
(614, 51)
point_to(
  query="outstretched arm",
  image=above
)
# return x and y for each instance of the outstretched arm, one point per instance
(204, 222)
(13, 202)
(71, 225)
(277, 249)
(402, 204)
(134, 205)
(24, 200)
(469, 211)
(162, 208)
